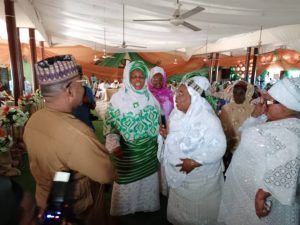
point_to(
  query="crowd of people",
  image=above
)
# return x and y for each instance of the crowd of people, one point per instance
(171, 142)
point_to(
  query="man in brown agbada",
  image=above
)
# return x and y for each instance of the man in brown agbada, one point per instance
(56, 140)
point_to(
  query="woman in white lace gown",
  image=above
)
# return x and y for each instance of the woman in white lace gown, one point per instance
(262, 183)
(191, 155)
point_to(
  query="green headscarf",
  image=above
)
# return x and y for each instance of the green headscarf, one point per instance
(137, 65)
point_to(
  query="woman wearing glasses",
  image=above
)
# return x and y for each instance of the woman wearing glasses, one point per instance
(262, 182)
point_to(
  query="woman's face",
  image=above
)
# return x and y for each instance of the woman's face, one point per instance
(183, 98)
(137, 79)
(239, 95)
(157, 81)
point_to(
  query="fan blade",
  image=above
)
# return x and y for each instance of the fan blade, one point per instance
(136, 46)
(191, 26)
(152, 20)
(191, 12)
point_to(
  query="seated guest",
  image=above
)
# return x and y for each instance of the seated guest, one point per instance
(56, 140)
(262, 181)
(114, 84)
(192, 156)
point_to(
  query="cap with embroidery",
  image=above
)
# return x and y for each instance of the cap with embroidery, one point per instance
(56, 69)
(287, 92)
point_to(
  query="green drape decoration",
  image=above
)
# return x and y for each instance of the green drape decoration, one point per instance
(113, 62)
(177, 77)
(136, 57)
(233, 75)
(118, 58)
(263, 75)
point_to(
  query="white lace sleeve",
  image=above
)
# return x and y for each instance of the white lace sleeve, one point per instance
(282, 165)
(282, 181)
(112, 142)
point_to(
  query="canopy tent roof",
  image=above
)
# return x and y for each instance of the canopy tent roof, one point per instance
(226, 25)
(282, 59)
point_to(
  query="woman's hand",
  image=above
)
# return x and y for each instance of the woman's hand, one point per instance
(260, 108)
(262, 206)
(188, 165)
(163, 131)
(117, 152)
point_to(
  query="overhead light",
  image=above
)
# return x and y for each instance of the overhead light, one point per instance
(175, 61)
(127, 57)
(95, 58)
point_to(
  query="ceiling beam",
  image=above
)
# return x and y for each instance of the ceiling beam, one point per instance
(31, 12)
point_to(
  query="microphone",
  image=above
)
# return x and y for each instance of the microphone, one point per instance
(163, 119)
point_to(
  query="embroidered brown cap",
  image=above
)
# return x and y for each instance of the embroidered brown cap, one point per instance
(56, 69)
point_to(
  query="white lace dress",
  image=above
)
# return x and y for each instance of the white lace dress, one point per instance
(139, 196)
(194, 198)
(268, 158)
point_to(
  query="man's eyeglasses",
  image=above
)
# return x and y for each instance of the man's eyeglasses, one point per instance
(271, 102)
(82, 82)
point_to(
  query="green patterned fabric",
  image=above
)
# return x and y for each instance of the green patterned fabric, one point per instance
(138, 133)
(138, 160)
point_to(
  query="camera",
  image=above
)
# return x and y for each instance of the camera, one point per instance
(58, 209)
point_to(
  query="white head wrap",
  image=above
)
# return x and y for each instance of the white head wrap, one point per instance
(287, 92)
(188, 131)
(199, 84)
(128, 99)
(156, 70)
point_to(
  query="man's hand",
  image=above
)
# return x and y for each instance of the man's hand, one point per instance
(260, 108)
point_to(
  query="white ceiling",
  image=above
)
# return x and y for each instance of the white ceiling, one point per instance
(226, 24)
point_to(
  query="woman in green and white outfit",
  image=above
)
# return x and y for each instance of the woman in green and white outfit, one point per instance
(131, 130)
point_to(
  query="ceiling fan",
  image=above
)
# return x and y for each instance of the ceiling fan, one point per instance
(179, 19)
(124, 44)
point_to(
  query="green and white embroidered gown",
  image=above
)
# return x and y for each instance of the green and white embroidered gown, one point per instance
(132, 123)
